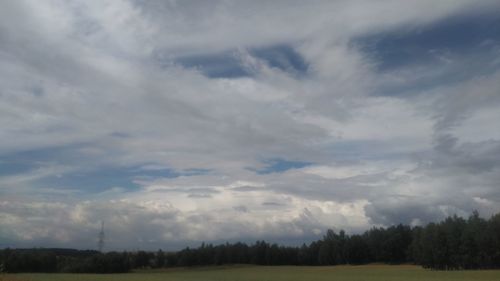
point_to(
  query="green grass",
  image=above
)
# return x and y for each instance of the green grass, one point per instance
(265, 273)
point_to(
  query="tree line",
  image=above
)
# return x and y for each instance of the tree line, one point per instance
(453, 244)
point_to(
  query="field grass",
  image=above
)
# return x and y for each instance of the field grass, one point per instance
(265, 273)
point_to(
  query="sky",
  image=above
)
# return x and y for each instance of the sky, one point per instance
(177, 122)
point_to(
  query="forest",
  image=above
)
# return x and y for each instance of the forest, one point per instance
(453, 244)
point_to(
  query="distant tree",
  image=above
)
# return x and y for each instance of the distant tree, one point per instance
(141, 259)
(454, 243)
(357, 250)
(159, 259)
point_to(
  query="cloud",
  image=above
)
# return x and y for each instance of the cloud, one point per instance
(179, 122)
(151, 224)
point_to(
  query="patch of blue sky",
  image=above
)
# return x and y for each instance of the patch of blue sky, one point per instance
(92, 181)
(222, 65)
(228, 64)
(354, 151)
(447, 52)
(15, 167)
(26, 161)
(456, 72)
(278, 165)
(457, 35)
(104, 178)
(38, 91)
(194, 172)
(283, 57)
(40, 154)
(140, 172)
(87, 176)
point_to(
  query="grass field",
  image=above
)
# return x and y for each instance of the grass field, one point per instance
(264, 273)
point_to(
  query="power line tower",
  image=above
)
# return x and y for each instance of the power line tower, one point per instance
(100, 243)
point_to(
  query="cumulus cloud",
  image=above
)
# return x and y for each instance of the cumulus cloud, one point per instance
(177, 122)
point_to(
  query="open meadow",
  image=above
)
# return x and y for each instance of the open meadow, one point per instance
(275, 273)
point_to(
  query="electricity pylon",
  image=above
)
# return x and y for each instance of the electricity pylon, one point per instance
(100, 243)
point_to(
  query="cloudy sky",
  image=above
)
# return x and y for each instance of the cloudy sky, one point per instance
(177, 122)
